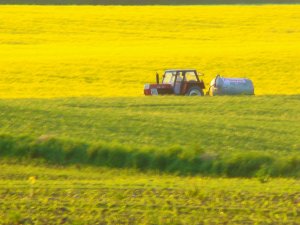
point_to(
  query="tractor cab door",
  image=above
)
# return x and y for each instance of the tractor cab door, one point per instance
(178, 83)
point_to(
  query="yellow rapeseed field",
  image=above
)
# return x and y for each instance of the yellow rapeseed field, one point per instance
(63, 51)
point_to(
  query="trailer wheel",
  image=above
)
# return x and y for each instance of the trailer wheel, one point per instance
(195, 91)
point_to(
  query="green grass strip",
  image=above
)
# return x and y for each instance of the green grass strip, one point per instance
(178, 160)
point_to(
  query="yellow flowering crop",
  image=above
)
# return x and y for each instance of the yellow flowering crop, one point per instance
(63, 51)
(32, 180)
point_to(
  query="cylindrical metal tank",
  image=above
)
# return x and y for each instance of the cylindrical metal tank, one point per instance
(231, 86)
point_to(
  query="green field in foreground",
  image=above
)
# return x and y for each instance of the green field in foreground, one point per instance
(230, 136)
(84, 195)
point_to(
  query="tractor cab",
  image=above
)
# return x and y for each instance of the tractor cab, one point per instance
(178, 82)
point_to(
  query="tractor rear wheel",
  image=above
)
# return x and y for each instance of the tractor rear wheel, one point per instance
(194, 91)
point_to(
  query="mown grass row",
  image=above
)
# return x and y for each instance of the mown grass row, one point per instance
(183, 161)
(215, 124)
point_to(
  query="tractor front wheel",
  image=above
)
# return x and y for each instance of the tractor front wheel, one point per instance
(195, 91)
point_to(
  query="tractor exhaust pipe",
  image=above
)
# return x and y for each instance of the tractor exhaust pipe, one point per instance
(157, 78)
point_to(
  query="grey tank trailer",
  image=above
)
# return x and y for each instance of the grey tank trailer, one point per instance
(231, 86)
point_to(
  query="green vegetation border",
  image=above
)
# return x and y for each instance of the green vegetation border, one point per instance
(175, 159)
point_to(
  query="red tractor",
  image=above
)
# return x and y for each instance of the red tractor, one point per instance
(178, 82)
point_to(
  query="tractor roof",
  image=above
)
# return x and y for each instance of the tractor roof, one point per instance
(180, 70)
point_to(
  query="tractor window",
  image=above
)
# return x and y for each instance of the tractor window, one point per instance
(169, 78)
(190, 76)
